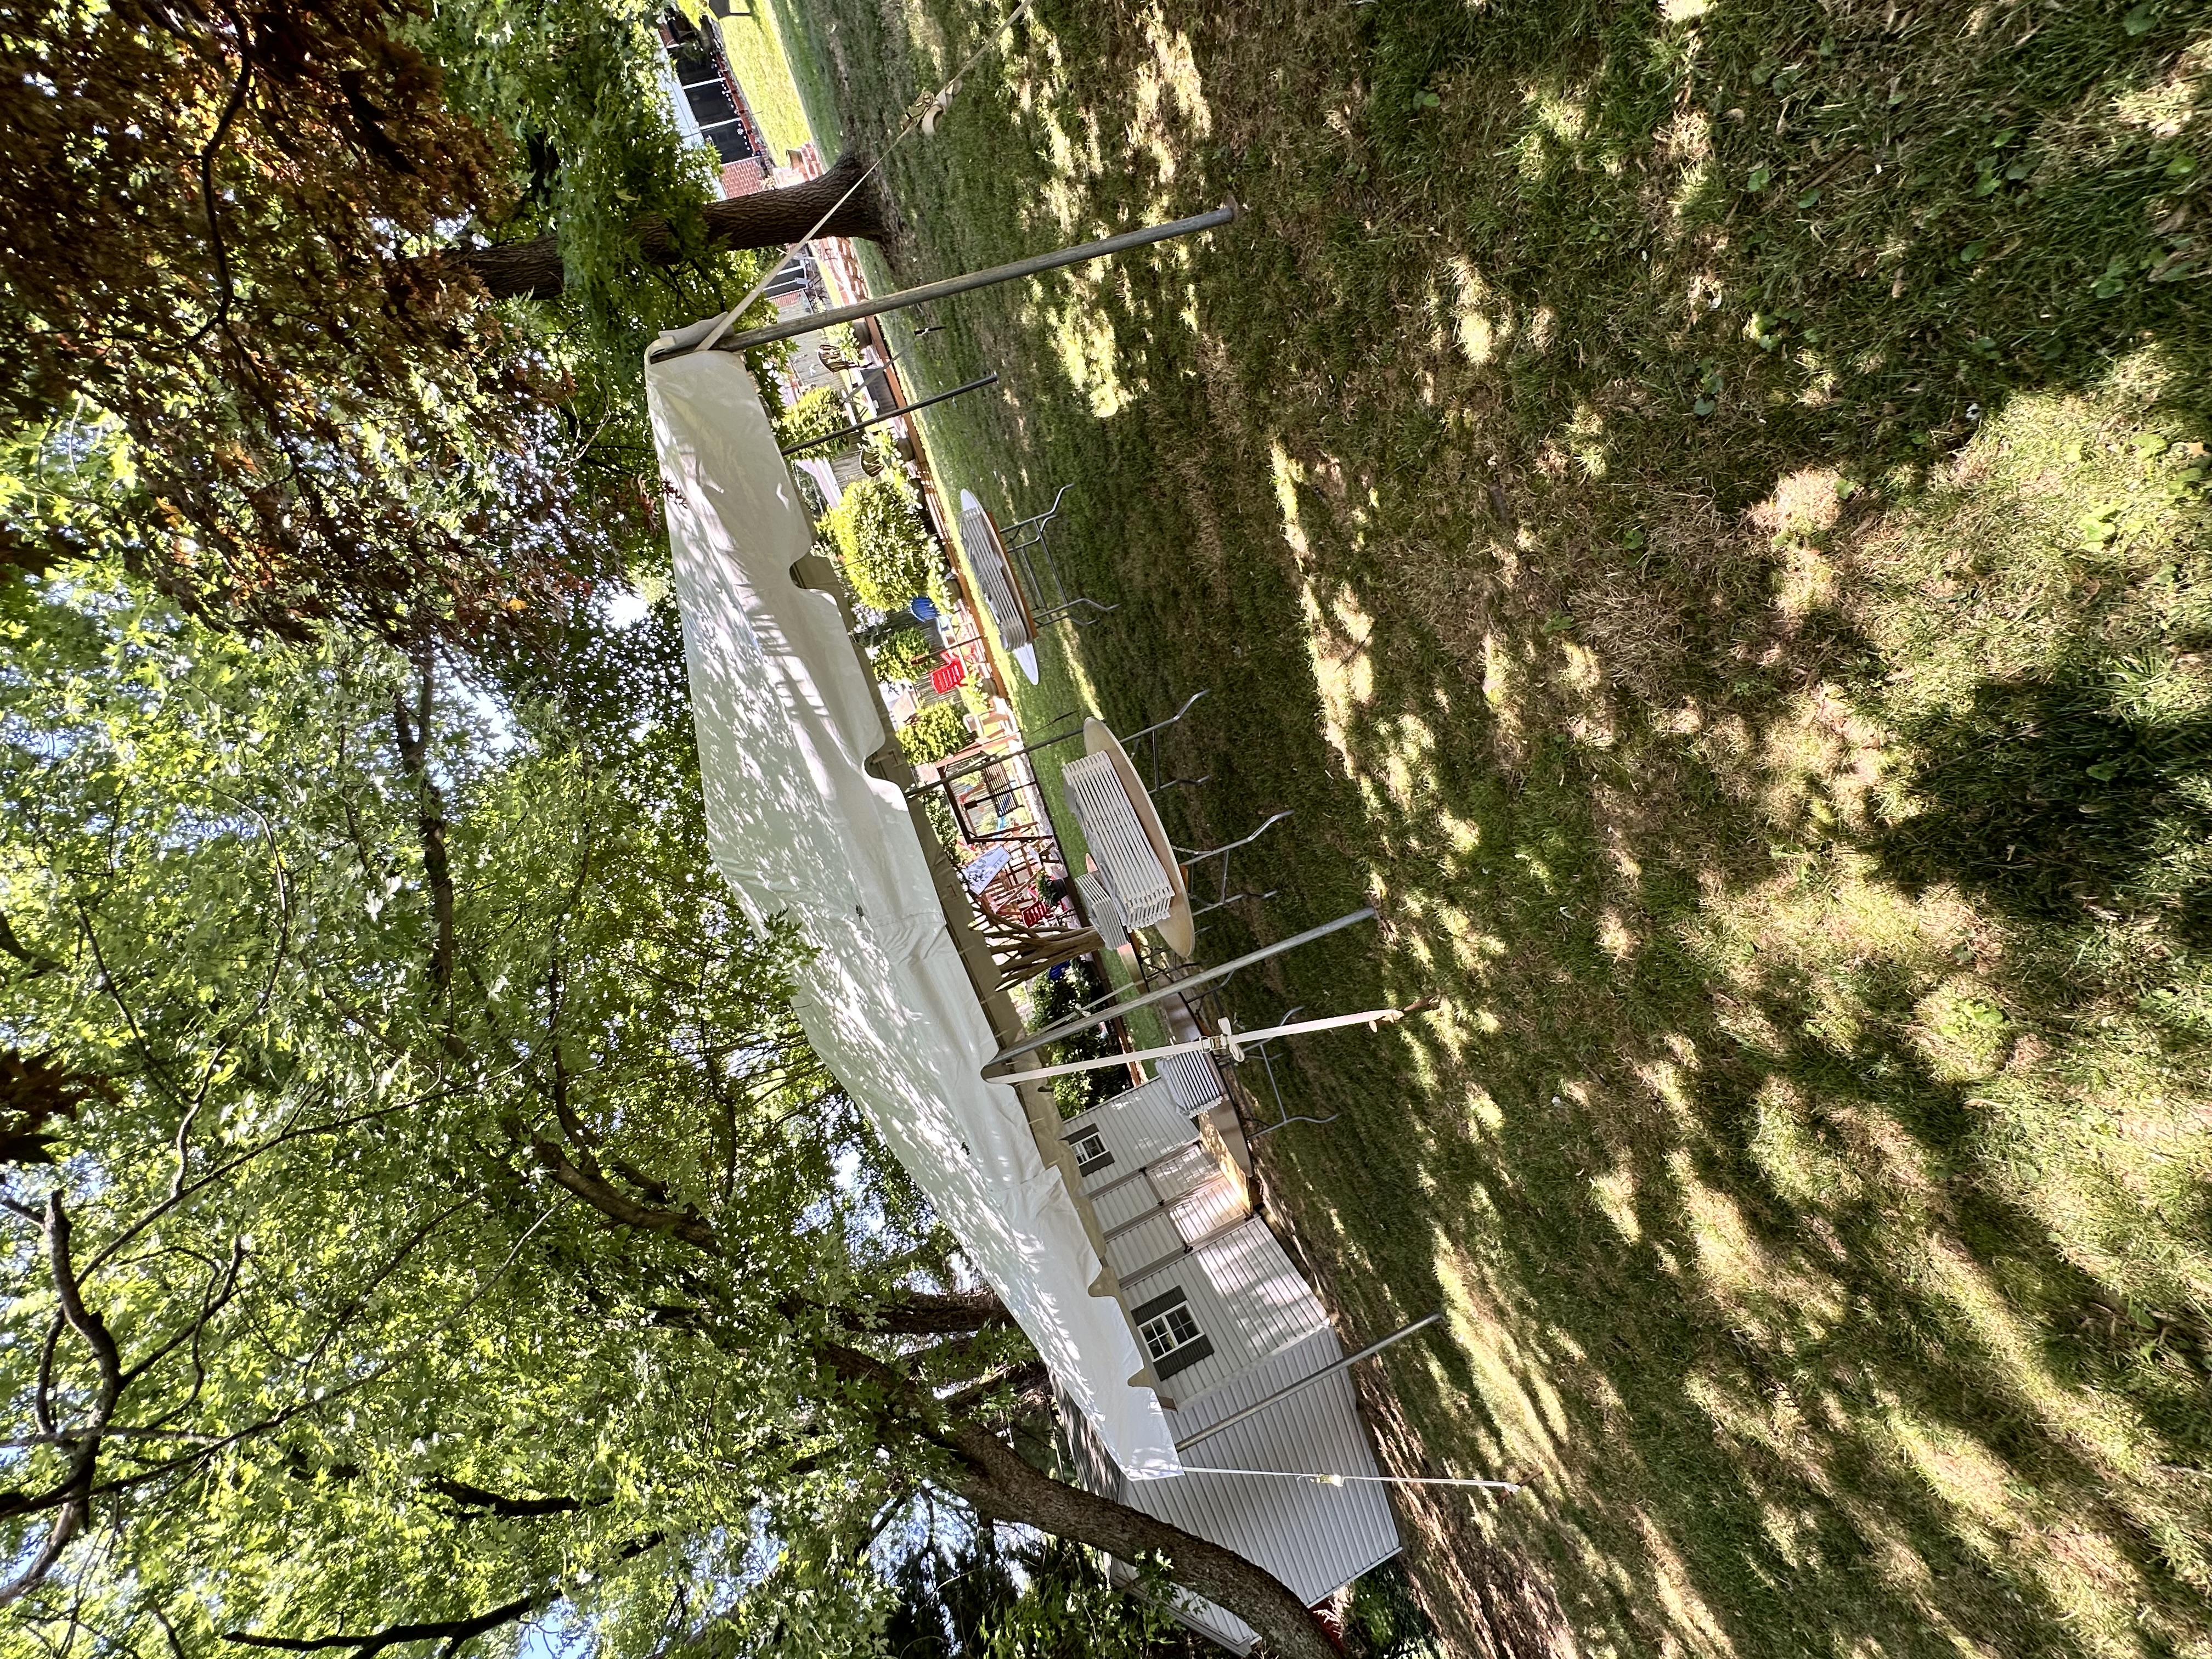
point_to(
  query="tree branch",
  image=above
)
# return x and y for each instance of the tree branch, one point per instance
(220, 316)
(429, 819)
(1019, 1378)
(452, 1632)
(928, 1313)
(15, 948)
(476, 1498)
(582, 1177)
(71, 1500)
(989, 1475)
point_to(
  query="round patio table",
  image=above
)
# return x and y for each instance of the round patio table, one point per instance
(1178, 930)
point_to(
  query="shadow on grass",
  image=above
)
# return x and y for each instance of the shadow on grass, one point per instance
(2052, 797)
(1821, 1229)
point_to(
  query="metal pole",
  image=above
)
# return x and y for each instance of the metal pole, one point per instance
(992, 378)
(683, 340)
(1084, 1022)
(1368, 1351)
(1227, 1042)
(1327, 1480)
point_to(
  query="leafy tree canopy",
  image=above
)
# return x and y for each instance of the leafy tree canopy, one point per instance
(234, 350)
(365, 980)
(424, 1215)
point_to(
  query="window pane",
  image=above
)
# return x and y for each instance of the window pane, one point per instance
(1173, 1329)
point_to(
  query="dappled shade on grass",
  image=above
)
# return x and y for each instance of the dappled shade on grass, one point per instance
(1686, 504)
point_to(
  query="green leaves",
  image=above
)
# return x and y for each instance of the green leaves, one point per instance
(817, 413)
(934, 732)
(301, 1193)
(878, 531)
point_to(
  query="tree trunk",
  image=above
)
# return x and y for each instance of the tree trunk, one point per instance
(1005, 1488)
(768, 218)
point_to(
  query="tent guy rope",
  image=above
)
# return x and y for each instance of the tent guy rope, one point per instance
(1228, 1042)
(1327, 1480)
(924, 109)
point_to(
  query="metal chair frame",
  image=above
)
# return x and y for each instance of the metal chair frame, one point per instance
(1024, 542)
(1223, 896)
(1152, 735)
(1265, 1056)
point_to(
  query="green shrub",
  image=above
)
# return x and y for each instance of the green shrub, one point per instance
(815, 414)
(879, 532)
(943, 826)
(934, 733)
(1058, 999)
(908, 654)
(943, 591)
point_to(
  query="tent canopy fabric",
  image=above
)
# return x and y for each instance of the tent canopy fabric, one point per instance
(786, 720)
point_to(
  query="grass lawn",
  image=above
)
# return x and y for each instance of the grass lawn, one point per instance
(1701, 511)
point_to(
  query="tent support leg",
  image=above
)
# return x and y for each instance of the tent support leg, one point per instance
(1343, 1364)
(1084, 1022)
(992, 378)
(678, 342)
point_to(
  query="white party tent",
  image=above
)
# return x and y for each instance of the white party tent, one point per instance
(788, 719)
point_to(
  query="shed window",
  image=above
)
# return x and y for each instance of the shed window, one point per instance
(1173, 1329)
(1091, 1153)
(1172, 1340)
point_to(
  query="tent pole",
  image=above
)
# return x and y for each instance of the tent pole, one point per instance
(678, 342)
(1100, 1015)
(1343, 1364)
(992, 378)
(1228, 1042)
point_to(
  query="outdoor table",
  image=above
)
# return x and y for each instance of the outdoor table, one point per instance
(1125, 834)
(994, 575)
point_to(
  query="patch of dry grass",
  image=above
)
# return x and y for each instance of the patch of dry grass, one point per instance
(1701, 513)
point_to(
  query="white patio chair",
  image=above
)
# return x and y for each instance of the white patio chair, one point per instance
(987, 556)
(1139, 886)
(1099, 905)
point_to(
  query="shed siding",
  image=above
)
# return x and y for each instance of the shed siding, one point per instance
(1208, 1208)
(1245, 1296)
(1188, 1167)
(1152, 1240)
(1124, 1203)
(1139, 1126)
(1315, 1539)
(1250, 1272)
